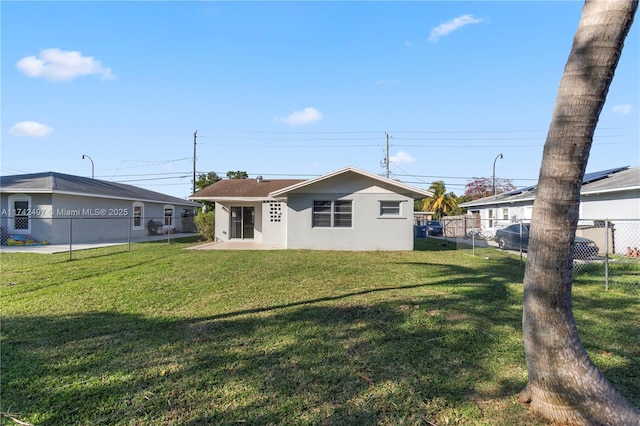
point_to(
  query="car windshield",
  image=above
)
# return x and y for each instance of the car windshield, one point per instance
(433, 223)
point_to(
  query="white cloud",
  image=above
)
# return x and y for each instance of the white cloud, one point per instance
(447, 27)
(62, 65)
(624, 109)
(303, 117)
(401, 158)
(30, 129)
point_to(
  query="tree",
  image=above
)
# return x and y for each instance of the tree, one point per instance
(481, 187)
(441, 202)
(204, 180)
(237, 175)
(563, 384)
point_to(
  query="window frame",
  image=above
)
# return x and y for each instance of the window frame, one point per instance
(134, 216)
(338, 218)
(11, 200)
(384, 210)
(165, 217)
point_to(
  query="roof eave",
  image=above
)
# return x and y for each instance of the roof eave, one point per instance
(233, 199)
(606, 190)
(471, 204)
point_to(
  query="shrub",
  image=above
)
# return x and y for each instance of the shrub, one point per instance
(206, 224)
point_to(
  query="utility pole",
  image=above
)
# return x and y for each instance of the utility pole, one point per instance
(386, 160)
(195, 136)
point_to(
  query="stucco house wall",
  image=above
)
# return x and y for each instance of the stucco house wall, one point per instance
(618, 208)
(369, 230)
(274, 223)
(502, 215)
(619, 205)
(222, 221)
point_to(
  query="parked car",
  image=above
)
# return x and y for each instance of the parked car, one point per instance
(434, 228)
(516, 236)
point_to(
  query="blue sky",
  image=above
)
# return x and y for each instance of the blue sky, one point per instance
(295, 89)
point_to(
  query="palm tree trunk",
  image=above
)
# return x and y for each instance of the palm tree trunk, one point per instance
(564, 384)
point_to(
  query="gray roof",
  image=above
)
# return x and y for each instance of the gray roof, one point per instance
(612, 180)
(621, 181)
(60, 183)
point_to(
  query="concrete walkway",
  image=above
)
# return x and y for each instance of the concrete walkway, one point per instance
(61, 248)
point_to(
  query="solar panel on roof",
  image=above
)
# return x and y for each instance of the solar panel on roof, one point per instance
(594, 176)
(588, 178)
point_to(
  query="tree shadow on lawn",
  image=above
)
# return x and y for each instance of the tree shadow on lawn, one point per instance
(411, 357)
(616, 339)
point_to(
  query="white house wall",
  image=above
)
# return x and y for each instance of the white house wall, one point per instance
(274, 223)
(222, 213)
(622, 209)
(515, 212)
(616, 205)
(104, 219)
(369, 230)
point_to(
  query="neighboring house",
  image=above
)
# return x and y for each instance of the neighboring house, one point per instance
(348, 209)
(606, 195)
(40, 206)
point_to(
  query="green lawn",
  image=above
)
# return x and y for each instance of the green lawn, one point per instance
(166, 336)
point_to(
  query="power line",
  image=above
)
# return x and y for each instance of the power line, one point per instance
(382, 132)
(160, 178)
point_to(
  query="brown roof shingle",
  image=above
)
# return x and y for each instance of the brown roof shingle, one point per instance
(243, 188)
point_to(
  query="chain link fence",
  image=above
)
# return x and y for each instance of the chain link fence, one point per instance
(606, 251)
(69, 234)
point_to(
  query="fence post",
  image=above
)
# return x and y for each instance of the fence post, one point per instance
(473, 240)
(70, 237)
(521, 221)
(606, 254)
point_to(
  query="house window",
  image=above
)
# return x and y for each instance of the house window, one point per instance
(490, 218)
(168, 215)
(332, 214)
(20, 206)
(138, 215)
(505, 214)
(389, 208)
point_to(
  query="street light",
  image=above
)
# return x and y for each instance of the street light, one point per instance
(494, 173)
(92, 168)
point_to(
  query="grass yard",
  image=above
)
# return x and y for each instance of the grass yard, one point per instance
(166, 336)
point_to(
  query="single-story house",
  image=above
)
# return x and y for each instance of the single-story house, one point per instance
(612, 195)
(348, 209)
(41, 207)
